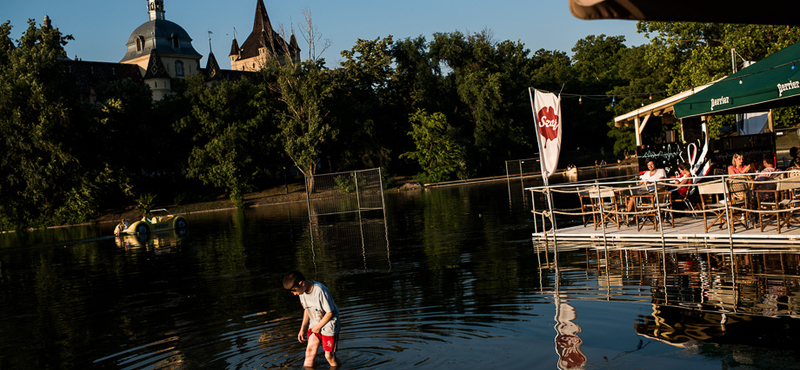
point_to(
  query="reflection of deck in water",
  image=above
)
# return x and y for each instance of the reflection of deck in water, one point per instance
(744, 301)
(745, 281)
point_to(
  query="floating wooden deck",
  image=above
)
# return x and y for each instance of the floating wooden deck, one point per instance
(687, 230)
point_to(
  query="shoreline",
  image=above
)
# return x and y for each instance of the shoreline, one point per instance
(285, 194)
(289, 193)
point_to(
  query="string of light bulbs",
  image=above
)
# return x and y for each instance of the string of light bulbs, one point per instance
(740, 77)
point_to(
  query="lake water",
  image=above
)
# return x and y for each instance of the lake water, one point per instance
(452, 279)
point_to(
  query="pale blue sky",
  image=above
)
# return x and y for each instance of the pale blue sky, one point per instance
(102, 27)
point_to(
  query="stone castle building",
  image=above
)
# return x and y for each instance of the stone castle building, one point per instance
(159, 52)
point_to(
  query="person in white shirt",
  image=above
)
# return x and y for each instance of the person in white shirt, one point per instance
(320, 317)
(650, 175)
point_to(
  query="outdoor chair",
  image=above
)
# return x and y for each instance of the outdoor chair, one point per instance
(792, 188)
(657, 206)
(688, 200)
(586, 207)
(768, 203)
(738, 205)
(712, 199)
(605, 206)
(778, 203)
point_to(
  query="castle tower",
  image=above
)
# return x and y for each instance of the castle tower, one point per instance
(262, 45)
(155, 8)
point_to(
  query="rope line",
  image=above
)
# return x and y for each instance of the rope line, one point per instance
(601, 207)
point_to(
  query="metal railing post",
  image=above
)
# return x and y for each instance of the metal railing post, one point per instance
(658, 213)
(602, 216)
(728, 210)
(533, 205)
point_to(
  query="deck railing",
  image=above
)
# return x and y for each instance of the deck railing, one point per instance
(607, 204)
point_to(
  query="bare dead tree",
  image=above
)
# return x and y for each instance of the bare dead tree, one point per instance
(313, 37)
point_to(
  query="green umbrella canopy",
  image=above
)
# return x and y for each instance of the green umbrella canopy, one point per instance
(772, 82)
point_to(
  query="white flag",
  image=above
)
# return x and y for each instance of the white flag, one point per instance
(547, 113)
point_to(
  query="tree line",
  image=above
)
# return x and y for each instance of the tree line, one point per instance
(452, 107)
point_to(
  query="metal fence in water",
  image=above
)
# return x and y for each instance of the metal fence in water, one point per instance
(347, 211)
(345, 192)
(522, 167)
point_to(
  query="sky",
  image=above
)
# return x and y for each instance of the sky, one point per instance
(102, 27)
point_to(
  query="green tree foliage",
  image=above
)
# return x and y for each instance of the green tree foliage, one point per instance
(227, 131)
(641, 85)
(303, 90)
(596, 70)
(438, 151)
(491, 79)
(122, 114)
(44, 181)
(550, 69)
(693, 54)
(418, 83)
(362, 106)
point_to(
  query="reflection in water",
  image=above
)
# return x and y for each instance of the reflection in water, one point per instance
(763, 283)
(363, 242)
(744, 303)
(158, 243)
(463, 287)
(568, 343)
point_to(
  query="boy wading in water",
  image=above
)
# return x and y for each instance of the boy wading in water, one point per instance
(320, 316)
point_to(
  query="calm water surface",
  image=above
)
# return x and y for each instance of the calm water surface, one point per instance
(450, 280)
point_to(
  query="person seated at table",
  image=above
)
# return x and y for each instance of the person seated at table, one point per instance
(737, 166)
(684, 179)
(650, 175)
(794, 167)
(768, 172)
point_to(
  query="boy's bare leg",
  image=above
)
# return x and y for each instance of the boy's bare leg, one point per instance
(311, 350)
(331, 357)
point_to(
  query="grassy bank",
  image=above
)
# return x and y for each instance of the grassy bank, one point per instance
(278, 195)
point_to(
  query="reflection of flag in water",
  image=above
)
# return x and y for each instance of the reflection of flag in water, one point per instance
(568, 343)
(547, 113)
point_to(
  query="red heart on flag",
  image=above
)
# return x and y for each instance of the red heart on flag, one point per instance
(548, 124)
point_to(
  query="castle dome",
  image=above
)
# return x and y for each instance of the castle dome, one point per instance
(166, 37)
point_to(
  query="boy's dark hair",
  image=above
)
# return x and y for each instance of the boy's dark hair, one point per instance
(684, 166)
(769, 158)
(291, 279)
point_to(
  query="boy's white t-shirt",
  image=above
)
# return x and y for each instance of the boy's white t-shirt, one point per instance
(317, 304)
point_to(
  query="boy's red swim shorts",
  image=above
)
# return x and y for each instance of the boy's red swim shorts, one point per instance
(328, 343)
